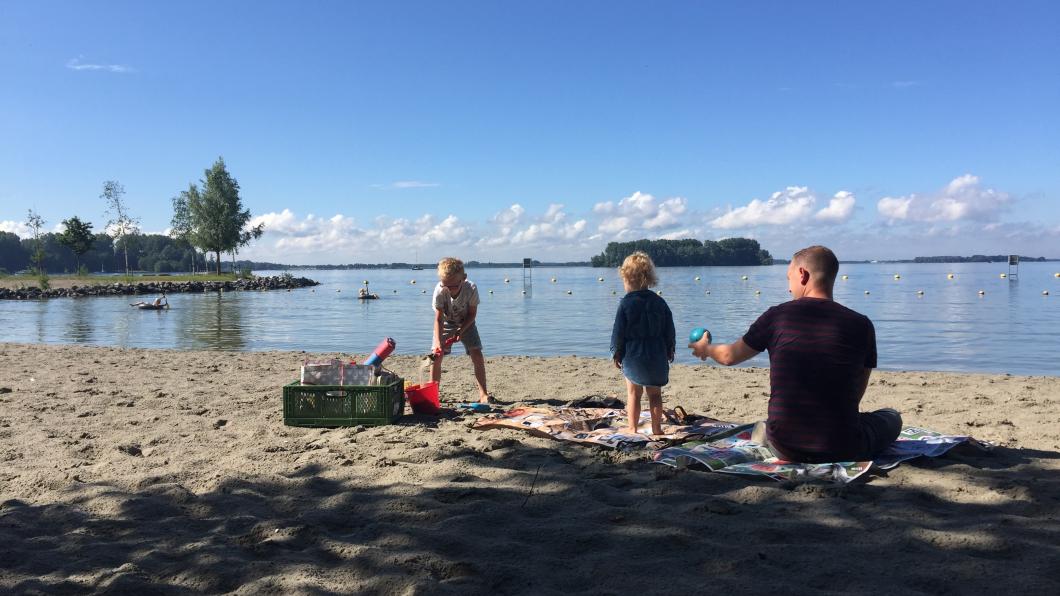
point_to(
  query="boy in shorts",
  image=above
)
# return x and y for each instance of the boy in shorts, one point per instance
(455, 306)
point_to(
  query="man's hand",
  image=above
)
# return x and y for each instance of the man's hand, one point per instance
(701, 349)
(618, 363)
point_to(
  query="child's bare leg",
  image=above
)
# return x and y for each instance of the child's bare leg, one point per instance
(633, 405)
(436, 368)
(655, 406)
(479, 362)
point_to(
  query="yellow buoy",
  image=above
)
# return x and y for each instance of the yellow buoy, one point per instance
(491, 291)
(708, 291)
(1003, 275)
(507, 281)
(423, 291)
(920, 292)
(949, 276)
(569, 292)
(413, 282)
(1056, 275)
(982, 293)
(866, 292)
(524, 291)
(697, 278)
(743, 277)
(757, 292)
(659, 292)
(553, 280)
(1045, 292)
(599, 279)
(896, 276)
(846, 277)
(365, 282)
(613, 292)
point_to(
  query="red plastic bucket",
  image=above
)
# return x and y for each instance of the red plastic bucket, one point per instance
(424, 398)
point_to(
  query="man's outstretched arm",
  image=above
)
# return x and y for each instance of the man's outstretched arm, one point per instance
(725, 354)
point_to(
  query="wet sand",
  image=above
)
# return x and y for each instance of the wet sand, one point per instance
(133, 471)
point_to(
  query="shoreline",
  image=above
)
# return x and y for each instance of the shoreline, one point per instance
(68, 288)
(131, 469)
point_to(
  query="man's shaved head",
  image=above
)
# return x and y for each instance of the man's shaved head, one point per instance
(820, 261)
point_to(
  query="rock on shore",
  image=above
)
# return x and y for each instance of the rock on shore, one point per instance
(162, 287)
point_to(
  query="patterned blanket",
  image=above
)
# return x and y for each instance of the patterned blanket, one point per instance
(709, 443)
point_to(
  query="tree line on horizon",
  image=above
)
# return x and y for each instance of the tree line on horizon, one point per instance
(687, 252)
(211, 220)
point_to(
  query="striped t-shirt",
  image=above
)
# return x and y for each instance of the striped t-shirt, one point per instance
(818, 353)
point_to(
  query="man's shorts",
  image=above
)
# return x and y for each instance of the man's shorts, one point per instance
(469, 338)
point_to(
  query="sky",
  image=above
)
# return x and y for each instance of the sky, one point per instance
(399, 131)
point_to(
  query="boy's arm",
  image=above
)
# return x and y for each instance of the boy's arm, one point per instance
(438, 319)
(469, 320)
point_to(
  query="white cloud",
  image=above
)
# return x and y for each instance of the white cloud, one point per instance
(782, 208)
(641, 215)
(962, 199)
(840, 208)
(16, 227)
(76, 64)
(550, 228)
(406, 184)
(510, 216)
(894, 209)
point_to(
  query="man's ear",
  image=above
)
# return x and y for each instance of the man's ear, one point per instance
(804, 276)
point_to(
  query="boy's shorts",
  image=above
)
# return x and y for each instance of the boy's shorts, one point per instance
(469, 338)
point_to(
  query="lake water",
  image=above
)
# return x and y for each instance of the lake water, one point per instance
(1011, 328)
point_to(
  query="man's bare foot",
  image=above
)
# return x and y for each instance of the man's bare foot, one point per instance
(487, 399)
(632, 430)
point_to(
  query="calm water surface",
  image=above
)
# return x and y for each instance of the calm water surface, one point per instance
(1011, 328)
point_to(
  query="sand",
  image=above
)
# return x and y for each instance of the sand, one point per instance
(133, 471)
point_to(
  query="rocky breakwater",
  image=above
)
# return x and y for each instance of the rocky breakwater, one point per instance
(159, 287)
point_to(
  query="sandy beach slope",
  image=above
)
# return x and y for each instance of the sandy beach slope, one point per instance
(136, 471)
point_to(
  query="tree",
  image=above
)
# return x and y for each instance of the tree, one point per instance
(77, 237)
(180, 225)
(36, 222)
(218, 219)
(121, 224)
(12, 256)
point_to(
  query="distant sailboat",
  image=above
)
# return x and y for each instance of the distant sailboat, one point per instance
(416, 263)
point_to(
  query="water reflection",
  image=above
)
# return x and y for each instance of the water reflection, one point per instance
(211, 321)
(79, 328)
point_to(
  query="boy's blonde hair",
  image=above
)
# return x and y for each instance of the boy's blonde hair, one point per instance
(449, 267)
(638, 271)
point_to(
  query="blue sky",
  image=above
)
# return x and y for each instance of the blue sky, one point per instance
(495, 130)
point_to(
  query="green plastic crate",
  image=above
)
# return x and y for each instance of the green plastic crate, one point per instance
(343, 405)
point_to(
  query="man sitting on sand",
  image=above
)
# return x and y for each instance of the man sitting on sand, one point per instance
(821, 354)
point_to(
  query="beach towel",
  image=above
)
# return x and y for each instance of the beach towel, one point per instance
(712, 444)
(605, 427)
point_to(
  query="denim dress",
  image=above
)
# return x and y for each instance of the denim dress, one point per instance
(643, 338)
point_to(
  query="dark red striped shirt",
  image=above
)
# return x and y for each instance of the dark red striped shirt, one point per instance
(818, 353)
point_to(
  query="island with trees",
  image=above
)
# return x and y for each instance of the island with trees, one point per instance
(687, 252)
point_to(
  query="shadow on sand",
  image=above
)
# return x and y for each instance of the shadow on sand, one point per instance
(595, 523)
